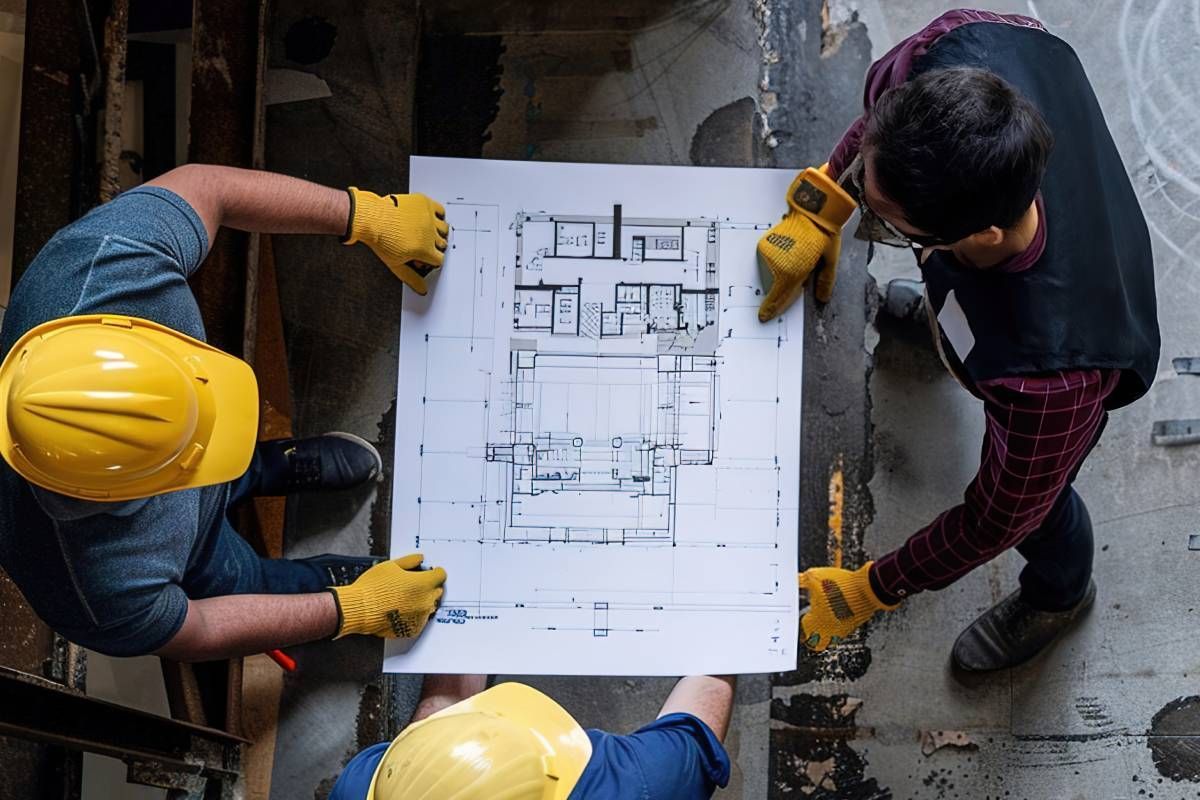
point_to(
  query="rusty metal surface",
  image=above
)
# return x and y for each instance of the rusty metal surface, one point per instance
(521, 16)
(225, 66)
(266, 525)
(55, 185)
(55, 168)
(183, 692)
(116, 46)
(36, 709)
(25, 641)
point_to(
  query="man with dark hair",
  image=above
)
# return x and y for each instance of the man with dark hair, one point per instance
(984, 149)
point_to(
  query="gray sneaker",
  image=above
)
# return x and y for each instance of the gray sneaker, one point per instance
(1012, 632)
(904, 301)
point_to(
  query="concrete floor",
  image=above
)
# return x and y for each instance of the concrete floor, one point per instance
(1073, 724)
(746, 82)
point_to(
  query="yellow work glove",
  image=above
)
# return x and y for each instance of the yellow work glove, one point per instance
(407, 231)
(810, 231)
(839, 601)
(393, 599)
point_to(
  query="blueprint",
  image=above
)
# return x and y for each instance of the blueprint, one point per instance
(595, 436)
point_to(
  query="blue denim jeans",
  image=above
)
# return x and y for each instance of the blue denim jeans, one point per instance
(223, 562)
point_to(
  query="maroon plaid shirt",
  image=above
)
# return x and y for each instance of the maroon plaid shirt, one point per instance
(1038, 432)
(1039, 429)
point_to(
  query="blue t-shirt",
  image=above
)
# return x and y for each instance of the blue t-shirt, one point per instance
(676, 757)
(108, 576)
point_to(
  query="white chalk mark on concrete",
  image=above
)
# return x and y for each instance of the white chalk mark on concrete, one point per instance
(1165, 115)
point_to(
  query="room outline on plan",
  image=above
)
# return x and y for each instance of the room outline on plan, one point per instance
(628, 473)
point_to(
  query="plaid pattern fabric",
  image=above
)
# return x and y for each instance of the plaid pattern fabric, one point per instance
(1039, 430)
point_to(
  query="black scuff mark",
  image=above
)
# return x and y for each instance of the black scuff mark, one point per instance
(812, 756)
(1174, 739)
(379, 531)
(458, 93)
(309, 40)
(726, 136)
(1093, 712)
(808, 96)
(848, 661)
(378, 712)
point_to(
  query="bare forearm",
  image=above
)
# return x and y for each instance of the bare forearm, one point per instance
(254, 200)
(242, 624)
(706, 697)
(442, 691)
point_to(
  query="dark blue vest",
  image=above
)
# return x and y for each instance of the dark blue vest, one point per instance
(1088, 302)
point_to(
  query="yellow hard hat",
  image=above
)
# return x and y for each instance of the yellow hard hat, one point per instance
(509, 743)
(109, 408)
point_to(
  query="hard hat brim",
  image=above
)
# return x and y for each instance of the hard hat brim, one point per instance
(526, 707)
(235, 424)
(231, 385)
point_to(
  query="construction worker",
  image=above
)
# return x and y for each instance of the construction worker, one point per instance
(126, 439)
(512, 742)
(983, 149)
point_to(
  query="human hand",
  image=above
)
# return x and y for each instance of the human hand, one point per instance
(393, 599)
(408, 232)
(840, 601)
(808, 234)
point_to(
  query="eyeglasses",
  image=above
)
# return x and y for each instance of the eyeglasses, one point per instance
(877, 229)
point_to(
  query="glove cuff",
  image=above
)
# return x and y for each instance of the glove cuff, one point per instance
(349, 219)
(869, 589)
(366, 216)
(352, 610)
(817, 196)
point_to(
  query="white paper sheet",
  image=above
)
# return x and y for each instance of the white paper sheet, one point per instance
(595, 435)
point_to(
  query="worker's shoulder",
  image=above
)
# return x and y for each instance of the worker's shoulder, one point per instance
(106, 264)
(676, 755)
(139, 238)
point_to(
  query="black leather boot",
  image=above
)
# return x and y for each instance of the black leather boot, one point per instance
(319, 463)
(1012, 632)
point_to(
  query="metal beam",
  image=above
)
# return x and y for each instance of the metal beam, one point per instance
(226, 46)
(60, 83)
(160, 751)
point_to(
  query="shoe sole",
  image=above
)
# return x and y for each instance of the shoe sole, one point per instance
(1082, 610)
(361, 442)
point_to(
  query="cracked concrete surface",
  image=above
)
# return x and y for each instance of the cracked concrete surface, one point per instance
(775, 82)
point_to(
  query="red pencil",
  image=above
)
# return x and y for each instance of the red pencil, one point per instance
(283, 659)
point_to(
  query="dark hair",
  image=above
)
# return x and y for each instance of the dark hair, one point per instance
(959, 150)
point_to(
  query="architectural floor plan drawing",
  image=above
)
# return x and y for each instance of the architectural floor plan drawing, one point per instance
(595, 435)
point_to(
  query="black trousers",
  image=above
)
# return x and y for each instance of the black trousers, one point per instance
(1059, 556)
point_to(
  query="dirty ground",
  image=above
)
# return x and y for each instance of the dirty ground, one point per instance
(1112, 712)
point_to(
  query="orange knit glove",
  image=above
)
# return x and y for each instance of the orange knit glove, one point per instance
(840, 601)
(810, 231)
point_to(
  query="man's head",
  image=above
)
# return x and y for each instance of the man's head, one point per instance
(952, 154)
